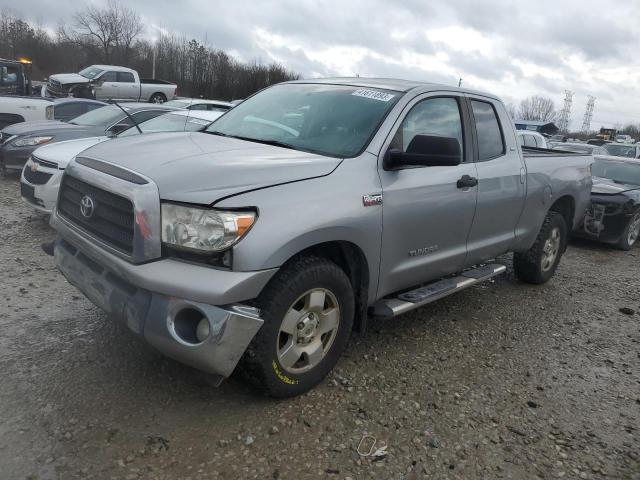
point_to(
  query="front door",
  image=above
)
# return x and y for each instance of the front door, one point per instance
(107, 89)
(426, 214)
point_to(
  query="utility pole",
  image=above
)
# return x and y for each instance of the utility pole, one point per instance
(153, 62)
(588, 114)
(565, 113)
(459, 82)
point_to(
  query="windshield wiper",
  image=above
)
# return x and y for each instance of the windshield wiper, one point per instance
(264, 141)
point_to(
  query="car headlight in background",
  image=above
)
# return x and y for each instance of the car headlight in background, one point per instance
(31, 141)
(203, 229)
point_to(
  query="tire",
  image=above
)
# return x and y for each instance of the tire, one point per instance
(538, 264)
(630, 234)
(291, 303)
(158, 98)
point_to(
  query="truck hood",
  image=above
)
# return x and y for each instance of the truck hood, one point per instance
(604, 186)
(62, 153)
(203, 168)
(67, 78)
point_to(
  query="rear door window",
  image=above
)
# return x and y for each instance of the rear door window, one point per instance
(126, 77)
(489, 132)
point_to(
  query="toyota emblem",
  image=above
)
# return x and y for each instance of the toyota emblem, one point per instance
(87, 207)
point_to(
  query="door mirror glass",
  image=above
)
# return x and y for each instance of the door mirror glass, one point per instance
(426, 151)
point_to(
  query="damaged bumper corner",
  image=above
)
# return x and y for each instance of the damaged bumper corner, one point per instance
(208, 337)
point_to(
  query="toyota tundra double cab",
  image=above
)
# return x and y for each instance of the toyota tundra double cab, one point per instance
(264, 241)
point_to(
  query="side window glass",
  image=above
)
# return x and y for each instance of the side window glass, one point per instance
(529, 141)
(490, 141)
(199, 106)
(109, 77)
(435, 117)
(146, 115)
(125, 77)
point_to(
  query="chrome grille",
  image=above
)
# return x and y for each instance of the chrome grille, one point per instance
(112, 216)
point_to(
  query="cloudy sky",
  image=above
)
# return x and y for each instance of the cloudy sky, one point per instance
(511, 48)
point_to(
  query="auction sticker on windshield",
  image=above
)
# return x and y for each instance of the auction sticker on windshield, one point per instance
(373, 94)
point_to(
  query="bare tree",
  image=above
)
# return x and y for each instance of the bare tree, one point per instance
(104, 31)
(537, 108)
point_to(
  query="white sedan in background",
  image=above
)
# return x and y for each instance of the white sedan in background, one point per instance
(41, 175)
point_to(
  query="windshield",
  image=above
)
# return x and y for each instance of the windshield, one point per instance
(621, 150)
(332, 120)
(169, 122)
(105, 116)
(91, 72)
(619, 172)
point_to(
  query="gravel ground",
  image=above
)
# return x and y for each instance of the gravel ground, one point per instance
(504, 380)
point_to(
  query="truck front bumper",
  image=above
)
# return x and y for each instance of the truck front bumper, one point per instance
(188, 312)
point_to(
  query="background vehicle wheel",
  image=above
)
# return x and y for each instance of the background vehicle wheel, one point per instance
(631, 233)
(308, 311)
(158, 98)
(538, 264)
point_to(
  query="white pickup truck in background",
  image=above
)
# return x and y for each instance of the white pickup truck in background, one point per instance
(109, 82)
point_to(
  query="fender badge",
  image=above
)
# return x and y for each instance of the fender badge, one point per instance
(372, 200)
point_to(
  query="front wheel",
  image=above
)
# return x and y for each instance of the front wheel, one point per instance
(308, 311)
(158, 98)
(631, 233)
(538, 264)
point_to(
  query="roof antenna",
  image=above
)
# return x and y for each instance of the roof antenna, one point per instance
(128, 115)
(459, 82)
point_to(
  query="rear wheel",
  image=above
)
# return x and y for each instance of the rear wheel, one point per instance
(158, 98)
(308, 314)
(538, 264)
(631, 233)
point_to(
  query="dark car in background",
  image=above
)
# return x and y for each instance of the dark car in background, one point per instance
(20, 140)
(614, 214)
(66, 109)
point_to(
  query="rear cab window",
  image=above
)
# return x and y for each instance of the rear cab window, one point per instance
(489, 131)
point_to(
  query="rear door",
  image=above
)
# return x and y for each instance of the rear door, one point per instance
(127, 86)
(501, 180)
(426, 215)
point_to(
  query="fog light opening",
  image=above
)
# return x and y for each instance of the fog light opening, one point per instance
(191, 326)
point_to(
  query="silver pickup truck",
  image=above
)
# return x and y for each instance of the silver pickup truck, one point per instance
(310, 207)
(110, 82)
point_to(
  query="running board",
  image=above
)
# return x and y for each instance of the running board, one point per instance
(405, 302)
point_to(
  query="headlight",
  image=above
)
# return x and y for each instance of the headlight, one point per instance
(203, 229)
(31, 141)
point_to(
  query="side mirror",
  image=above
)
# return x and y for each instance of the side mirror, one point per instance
(426, 151)
(118, 128)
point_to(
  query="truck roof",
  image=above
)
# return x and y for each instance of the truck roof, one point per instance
(114, 68)
(396, 84)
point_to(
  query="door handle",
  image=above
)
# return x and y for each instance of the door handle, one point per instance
(467, 181)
